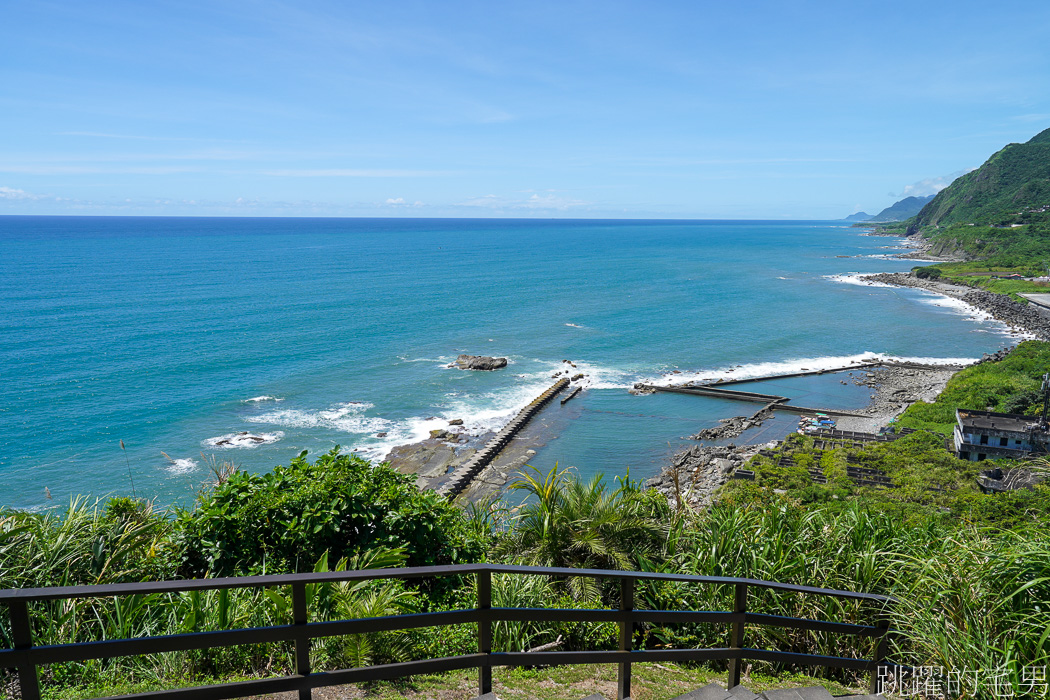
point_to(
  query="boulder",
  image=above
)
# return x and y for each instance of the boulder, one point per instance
(479, 362)
(456, 421)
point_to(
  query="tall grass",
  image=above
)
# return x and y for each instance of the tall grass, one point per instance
(977, 603)
(88, 543)
(970, 597)
(127, 541)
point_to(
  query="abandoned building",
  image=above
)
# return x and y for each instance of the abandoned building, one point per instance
(983, 435)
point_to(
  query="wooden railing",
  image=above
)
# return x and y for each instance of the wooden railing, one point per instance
(26, 657)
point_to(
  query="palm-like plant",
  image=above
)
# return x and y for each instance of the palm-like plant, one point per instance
(567, 523)
(351, 600)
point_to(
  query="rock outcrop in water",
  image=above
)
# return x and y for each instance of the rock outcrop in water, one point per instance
(735, 426)
(479, 362)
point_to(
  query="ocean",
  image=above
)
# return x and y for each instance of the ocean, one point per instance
(176, 335)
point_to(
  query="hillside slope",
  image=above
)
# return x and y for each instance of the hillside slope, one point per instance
(1014, 180)
(904, 209)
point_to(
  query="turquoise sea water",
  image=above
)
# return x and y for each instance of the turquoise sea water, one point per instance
(171, 334)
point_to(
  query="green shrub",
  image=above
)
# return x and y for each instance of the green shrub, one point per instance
(340, 505)
(926, 272)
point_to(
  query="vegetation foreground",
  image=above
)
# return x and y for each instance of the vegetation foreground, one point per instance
(971, 571)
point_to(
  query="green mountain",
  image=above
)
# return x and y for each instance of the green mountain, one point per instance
(1011, 183)
(859, 216)
(904, 209)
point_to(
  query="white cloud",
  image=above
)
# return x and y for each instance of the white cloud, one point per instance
(95, 170)
(352, 172)
(1032, 118)
(931, 185)
(401, 203)
(534, 202)
(12, 193)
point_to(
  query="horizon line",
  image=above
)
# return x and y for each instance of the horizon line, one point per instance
(416, 218)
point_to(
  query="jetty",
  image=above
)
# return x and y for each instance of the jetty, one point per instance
(777, 403)
(463, 475)
(848, 368)
(813, 372)
(572, 394)
(717, 389)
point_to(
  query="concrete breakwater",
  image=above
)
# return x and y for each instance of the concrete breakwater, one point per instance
(464, 474)
(571, 395)
(772, 402)
(803, 373)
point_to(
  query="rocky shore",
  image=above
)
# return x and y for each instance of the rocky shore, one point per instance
(696, 473)
(1021, 318)
(921, 248)
(733, 427)
(894, 389)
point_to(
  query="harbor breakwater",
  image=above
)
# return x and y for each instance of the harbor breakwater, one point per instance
(461, 477)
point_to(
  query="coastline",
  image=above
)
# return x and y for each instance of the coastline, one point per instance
(1025, 319)
(896, 388)
(701, 469)
(373, 397)
(695, 474)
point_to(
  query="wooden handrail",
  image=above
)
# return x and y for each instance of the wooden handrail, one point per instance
(410, 572)
(27, 657)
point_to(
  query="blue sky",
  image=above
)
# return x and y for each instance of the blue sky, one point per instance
(564, 109)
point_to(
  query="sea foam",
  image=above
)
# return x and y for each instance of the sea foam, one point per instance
(757, 370)
(242, 439)
(972, 313)
(345, 417)
(855, 278)
(181, 466)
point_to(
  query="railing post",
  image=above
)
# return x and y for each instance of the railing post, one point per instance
(883, 624)
(485, 631)
(302, 640)
(623, 675)
(22, 634)
(737, 636)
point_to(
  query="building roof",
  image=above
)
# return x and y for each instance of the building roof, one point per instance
(987, 420)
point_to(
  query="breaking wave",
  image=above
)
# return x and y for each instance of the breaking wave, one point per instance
(243, 439)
